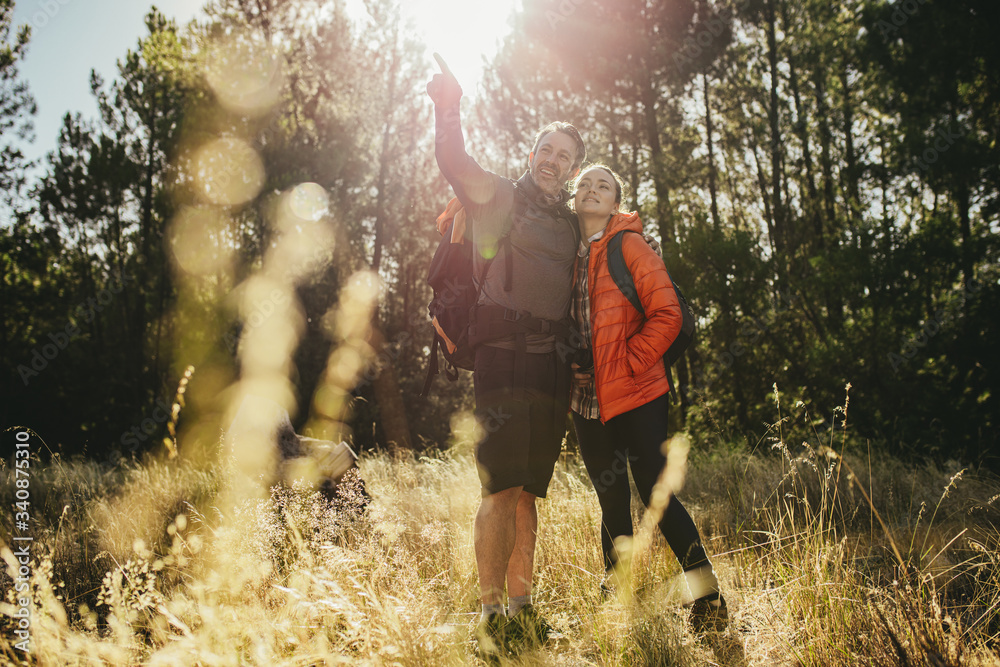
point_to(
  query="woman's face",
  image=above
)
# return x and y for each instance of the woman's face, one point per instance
(596, 194)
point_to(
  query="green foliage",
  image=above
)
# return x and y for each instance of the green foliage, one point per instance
(17, 106)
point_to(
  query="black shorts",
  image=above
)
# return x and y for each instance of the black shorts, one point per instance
(523, 420)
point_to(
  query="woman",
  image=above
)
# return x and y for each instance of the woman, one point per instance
(620, 405)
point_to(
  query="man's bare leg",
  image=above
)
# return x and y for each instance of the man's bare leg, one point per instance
(529, 628)
(496, 527)
(522, 559)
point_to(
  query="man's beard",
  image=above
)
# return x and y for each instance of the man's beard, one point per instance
(552, 184)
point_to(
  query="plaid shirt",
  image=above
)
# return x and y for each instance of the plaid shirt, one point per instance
(583, 400)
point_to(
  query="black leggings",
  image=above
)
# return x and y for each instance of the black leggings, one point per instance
(636, 437)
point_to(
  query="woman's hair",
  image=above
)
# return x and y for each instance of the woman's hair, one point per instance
(619, 183)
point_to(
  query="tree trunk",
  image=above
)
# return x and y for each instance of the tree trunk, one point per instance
(383, 170)
(144, 268)
(635, 176)
(664, 211)
(965, 225)
(801, 129)
(773, 118)
(392, 412)
(851, 173)
(4, 344)
(813, 207)
(762, 184)
(825, 142)
(712, 188)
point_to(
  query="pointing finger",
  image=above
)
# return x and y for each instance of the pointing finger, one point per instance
(442, 64)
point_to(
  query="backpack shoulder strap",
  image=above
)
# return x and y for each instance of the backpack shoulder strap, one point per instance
(520, 200)
(570, 217)
(620, 273)
(520, 205)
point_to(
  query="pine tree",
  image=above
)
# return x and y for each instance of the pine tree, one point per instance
(17, 106)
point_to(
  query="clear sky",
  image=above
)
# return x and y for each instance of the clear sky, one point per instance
(71, 37)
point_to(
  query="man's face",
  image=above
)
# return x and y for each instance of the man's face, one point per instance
(551, 165)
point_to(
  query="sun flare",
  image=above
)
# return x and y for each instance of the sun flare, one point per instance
(462, 32)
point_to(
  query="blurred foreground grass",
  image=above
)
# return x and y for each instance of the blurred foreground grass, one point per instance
(137, 565)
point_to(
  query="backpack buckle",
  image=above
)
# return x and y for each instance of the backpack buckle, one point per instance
(511, 315)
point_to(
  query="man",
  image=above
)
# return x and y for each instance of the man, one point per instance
(521, 382)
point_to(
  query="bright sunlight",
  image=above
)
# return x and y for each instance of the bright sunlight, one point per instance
(462, 32)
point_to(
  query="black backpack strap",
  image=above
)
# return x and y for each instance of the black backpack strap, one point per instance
(620, 273)
(520, 205)
(451, 372)
(493, 322)
(481, 278)
(432, 369)
(626, 283)
(508, 255)
(503, 245)
(670, 379)
(570, 217)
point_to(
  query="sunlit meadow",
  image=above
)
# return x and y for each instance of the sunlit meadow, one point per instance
(141, 565)
(196, 556)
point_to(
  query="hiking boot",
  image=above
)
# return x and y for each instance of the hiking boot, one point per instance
(528, 629)
(706, 617)
(491, 638)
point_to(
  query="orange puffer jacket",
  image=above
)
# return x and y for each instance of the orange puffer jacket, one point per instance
(628, 348)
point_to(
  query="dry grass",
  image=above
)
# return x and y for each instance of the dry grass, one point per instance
(137, 566)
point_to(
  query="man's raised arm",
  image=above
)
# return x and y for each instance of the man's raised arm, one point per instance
(473, 185)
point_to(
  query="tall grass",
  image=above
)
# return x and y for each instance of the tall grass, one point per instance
(138, 565)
